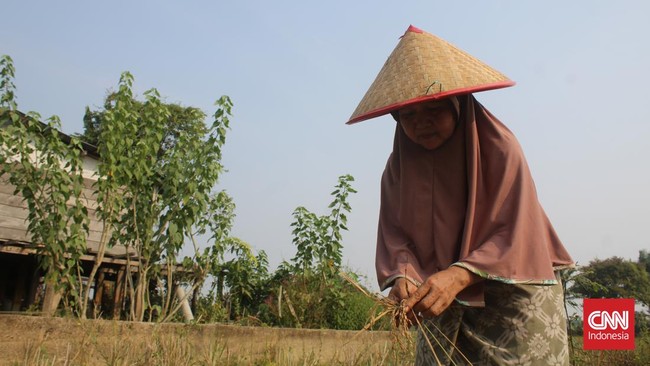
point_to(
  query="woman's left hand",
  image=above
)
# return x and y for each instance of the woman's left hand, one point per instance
(438, 291)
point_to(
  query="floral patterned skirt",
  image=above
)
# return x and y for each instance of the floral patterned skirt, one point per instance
(519, 325)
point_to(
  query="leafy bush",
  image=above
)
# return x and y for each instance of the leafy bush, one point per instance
(308, 292)
(353, 310)
(311, 302)
(209, 309)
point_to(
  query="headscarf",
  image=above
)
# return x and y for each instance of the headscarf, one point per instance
(471, 202)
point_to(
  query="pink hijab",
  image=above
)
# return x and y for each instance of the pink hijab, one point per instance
(471, 202)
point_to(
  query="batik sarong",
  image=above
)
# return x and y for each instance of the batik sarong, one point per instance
(519, 325)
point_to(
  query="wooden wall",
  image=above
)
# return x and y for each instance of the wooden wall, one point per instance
(14, 213)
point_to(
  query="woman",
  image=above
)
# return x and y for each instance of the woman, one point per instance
(463, 242)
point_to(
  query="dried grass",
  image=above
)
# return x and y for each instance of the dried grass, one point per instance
(401, 334)
(400, 331)
(34, 354)
(181, 346)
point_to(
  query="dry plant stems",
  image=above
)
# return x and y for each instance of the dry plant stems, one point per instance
(428, 331)
(291, 309)
(400, 330)
(114, 354)
(34, 354)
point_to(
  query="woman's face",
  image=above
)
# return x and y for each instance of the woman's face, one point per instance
(428, 124)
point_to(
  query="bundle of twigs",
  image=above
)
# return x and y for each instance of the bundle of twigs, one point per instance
(384, 307)
(401, 334)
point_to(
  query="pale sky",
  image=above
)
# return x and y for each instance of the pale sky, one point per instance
(296, 70)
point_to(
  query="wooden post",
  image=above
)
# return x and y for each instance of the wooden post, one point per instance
(185, 305)
(33, 288)
(4, 303)
(118, 298)
(19, 289)
(99, 293)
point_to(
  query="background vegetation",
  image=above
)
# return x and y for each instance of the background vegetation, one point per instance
(156, 192)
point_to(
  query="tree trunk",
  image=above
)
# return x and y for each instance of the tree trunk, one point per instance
(51, 299)
(140, 289)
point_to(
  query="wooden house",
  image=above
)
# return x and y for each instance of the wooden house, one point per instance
(21, 279)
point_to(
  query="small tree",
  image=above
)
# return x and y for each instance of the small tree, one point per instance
(156, 183)
(47, 172)
(245, 276)
(308, 291)
(318, 238)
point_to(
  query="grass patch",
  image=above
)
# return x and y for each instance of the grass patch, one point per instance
(176, 350)
(639, 356)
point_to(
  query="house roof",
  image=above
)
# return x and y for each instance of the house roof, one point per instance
(88, 149)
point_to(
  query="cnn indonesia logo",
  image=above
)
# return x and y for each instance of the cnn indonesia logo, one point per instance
(608, 324)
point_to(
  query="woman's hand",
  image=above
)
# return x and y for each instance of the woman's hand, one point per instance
(402, 289)
(438, 292)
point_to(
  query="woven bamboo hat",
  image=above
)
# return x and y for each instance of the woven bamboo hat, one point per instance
(424, 67)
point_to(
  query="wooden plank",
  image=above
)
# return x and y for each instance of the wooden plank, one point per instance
(14, 234)
(23, 212)
(13, 229)
(17, 200)
(16, 249)
(16, 229)
(13, 222)
(115, 254)
(12, 200)
(88, 193)
(6, 187)
(21, 235)
(11, 217)
(18, 213)
(113, 260)
(88, 182)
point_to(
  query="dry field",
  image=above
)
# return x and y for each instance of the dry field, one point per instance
(28, 340)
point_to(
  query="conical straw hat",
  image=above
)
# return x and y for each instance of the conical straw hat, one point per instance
(424, 67)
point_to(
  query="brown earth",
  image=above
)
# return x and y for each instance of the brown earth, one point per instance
(38, 340)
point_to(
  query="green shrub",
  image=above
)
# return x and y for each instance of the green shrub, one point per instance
(355, 310)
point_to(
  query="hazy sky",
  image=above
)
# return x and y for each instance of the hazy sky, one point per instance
(296, 70)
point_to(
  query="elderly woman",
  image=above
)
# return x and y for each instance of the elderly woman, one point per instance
(463, 241)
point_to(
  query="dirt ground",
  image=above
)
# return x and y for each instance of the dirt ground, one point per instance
(28, 337)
